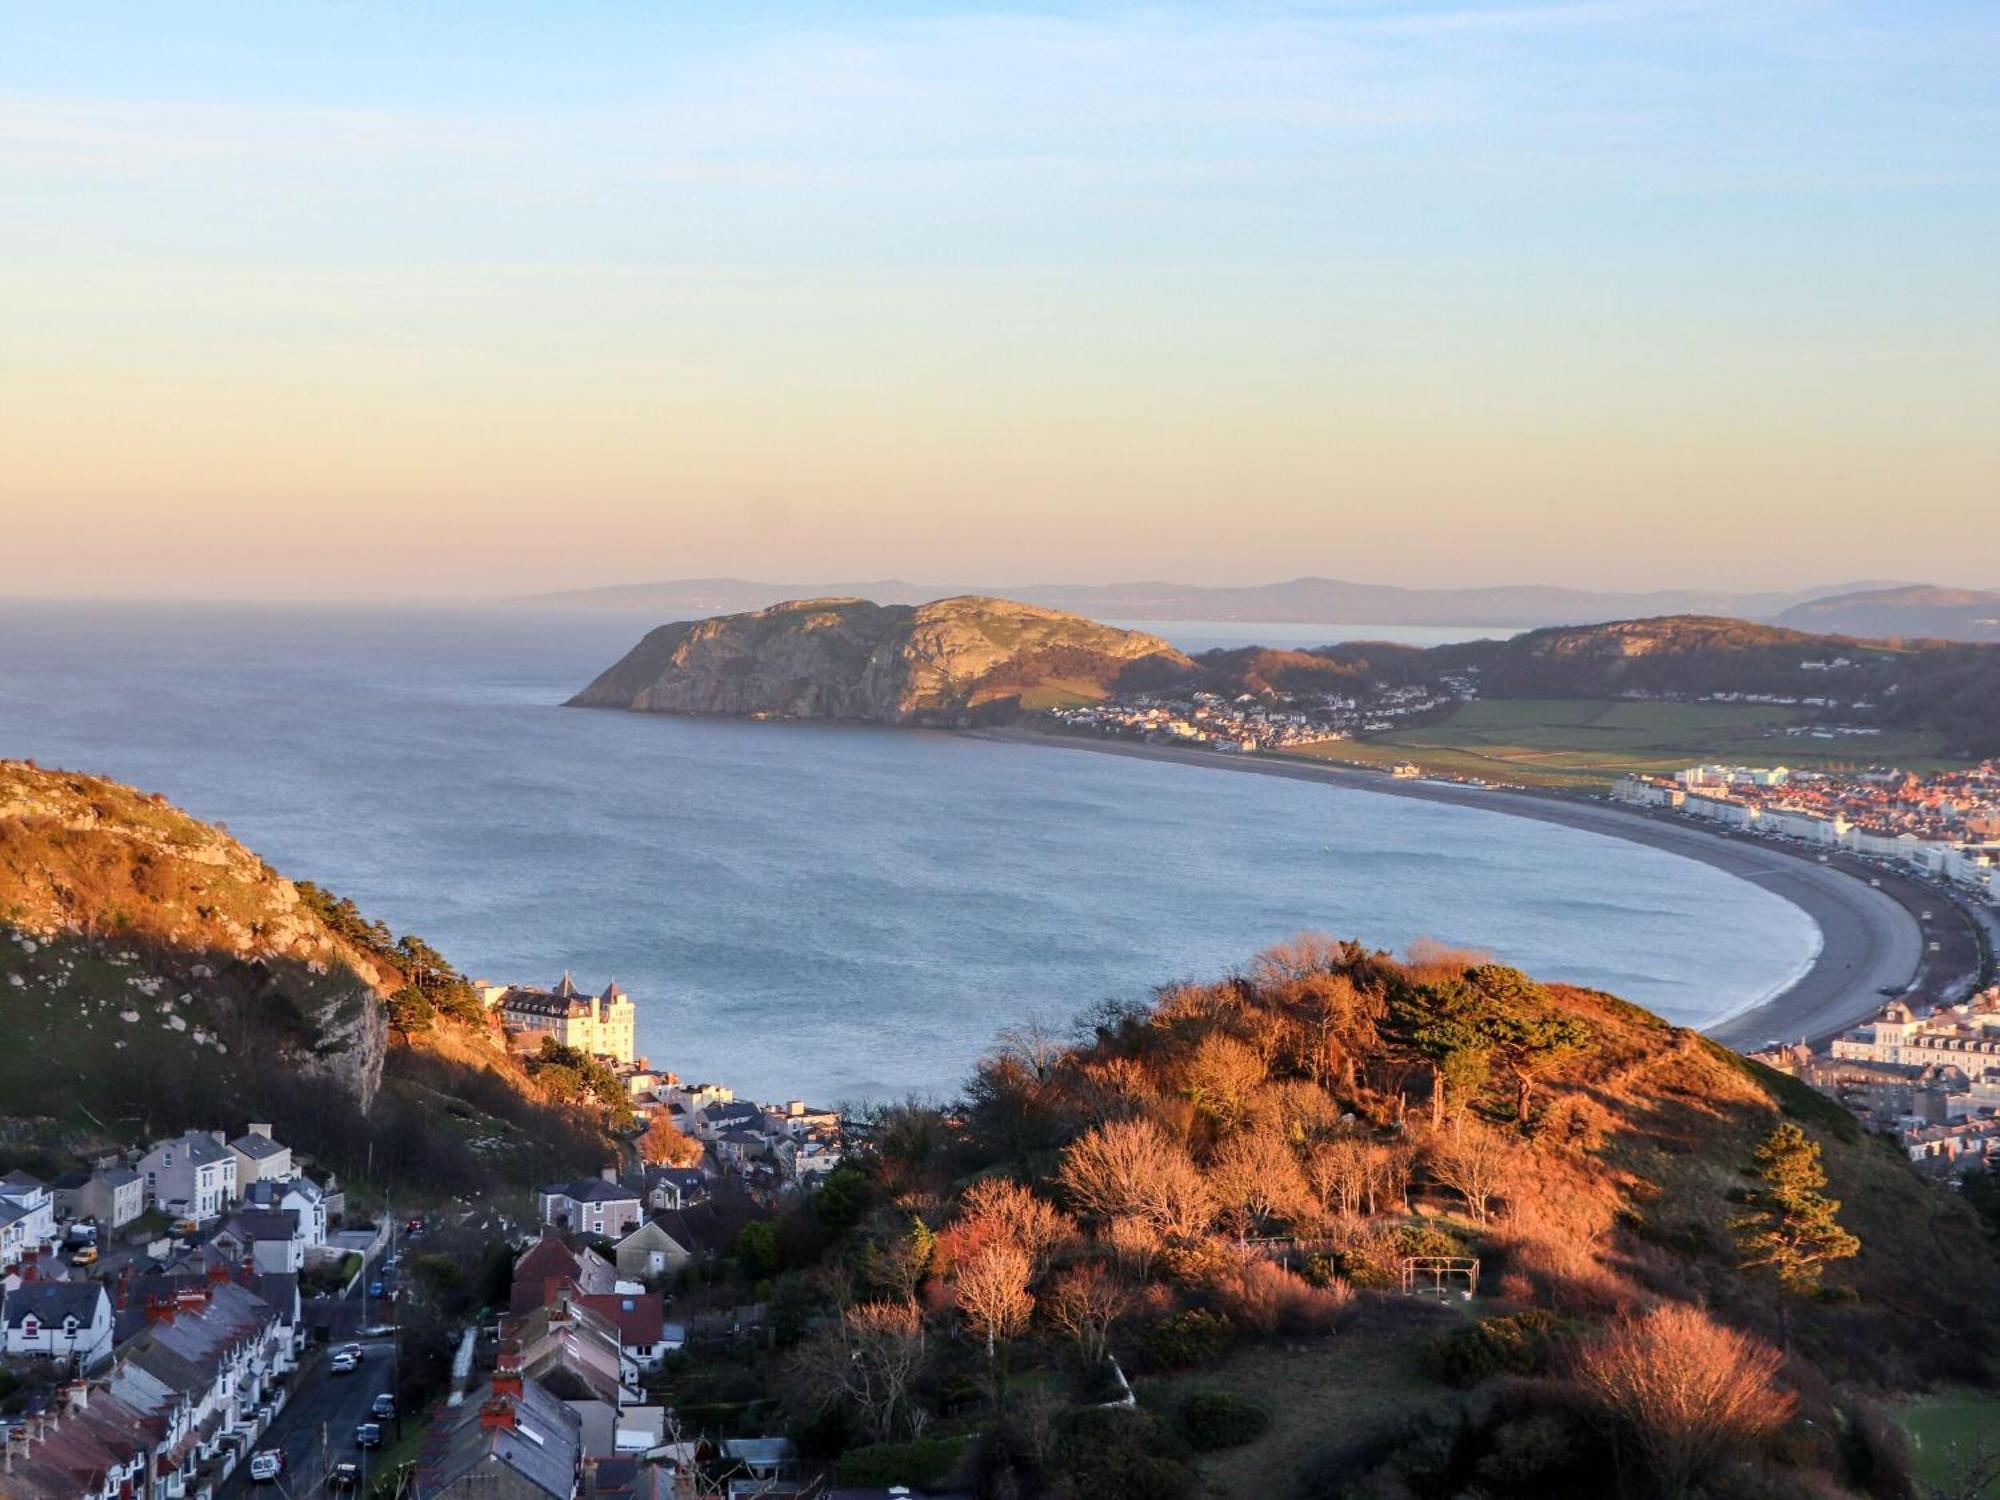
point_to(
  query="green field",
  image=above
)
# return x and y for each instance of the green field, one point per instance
(1582, 744)
(1948, 1433)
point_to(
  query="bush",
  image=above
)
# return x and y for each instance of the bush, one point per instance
(1212, 1420)
(925, 1463)
(1128, 1454)
(1262, 1295)
(1517, 1345)
(1190, 1338)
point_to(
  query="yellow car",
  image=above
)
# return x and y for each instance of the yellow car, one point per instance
(87, 1256)
(187, 1226)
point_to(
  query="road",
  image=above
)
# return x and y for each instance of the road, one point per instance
(316, 1428)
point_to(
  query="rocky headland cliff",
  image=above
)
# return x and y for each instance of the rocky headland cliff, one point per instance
(160, 931)
(949, 662)
(155, 973)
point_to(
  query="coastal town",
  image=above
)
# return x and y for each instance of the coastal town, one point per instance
(1925, 1069)
(182, 1317)
(1249, 722)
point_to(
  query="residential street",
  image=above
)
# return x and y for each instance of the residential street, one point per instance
(316, 1428)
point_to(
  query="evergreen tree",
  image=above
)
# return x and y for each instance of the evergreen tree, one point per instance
(1792, 1227)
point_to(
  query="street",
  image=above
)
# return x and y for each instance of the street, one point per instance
(316, 1428)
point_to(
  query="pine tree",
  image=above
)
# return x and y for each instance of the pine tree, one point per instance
(1792, 1227)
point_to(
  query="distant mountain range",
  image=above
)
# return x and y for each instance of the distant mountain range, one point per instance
(1912, 612)
(1300, 600)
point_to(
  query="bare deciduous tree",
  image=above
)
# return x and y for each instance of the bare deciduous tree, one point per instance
(992, 1293)
(664, 1145)
(1221, 1077)
(1130, 1169)
(871, 1357)
(1254, 1177)
(1339, 1174)
(1134, 1242)
(1086, 1302)
(996, 1208)
(1474, 1161)
(1691, 1392)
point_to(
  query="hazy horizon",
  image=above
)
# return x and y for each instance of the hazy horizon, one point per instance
(461, 301)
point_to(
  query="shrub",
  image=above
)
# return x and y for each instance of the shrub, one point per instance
(1212, 1420)
(1264, 1296)
(1189, 1338)
(925, 1463)
(1692, 1392)
(1132, 1455)
(1517, 1345)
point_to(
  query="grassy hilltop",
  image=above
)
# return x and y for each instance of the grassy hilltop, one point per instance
(1220, 1189)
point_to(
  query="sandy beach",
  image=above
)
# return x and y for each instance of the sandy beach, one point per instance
(1870, 941)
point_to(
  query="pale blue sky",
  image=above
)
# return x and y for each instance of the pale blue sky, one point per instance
(577, 293)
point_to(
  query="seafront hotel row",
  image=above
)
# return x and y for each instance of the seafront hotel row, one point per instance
(1946, 826)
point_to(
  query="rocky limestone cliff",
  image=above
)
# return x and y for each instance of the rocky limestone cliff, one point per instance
(163, 930)
(953, 661)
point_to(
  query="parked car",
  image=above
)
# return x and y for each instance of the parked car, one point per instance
(368, 1435)
(87, 1256)
(81, 1233)
(187, 1226)
(345, 1363)
(344, 1477)
(384, 1407)
(374, 1288)
(353, 1349)
(266, 1464)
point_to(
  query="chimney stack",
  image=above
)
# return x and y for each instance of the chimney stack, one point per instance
(609, 1172)
(507, 1377)
(30, 1270)
(258, 1127)
(161, 1309)
(496, 1415)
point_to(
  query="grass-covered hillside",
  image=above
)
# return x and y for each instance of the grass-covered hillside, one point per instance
(1585, 743)
(1694, 1276)
(155, 975)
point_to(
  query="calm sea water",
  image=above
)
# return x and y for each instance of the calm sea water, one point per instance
(811, 910)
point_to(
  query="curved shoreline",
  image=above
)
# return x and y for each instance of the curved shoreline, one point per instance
(1869, 941)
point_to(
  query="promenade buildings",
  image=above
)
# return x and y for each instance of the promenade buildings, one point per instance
(1945, 825)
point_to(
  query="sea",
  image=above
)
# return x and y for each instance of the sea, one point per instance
(828, 912)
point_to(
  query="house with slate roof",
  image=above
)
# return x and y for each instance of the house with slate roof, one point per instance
(259, 1158)
(196, 1355)
(63, 1320)
(28, 1205)
(511, 1440)
(548, 1265)
(193, 1174)
(599, 1205)
(111, 1197)
(88, 1446)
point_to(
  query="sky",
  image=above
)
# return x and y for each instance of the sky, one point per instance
(390, 298)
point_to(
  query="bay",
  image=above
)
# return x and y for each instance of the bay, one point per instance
(801, 910)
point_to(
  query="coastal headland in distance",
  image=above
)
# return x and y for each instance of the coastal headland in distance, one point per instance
(1871, 940)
